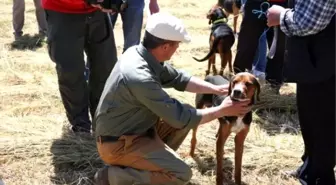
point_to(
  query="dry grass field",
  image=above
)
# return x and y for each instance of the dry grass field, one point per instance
(36, 148)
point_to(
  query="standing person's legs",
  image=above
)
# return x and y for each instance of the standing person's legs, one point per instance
(101, 55)
(274, 67)
(66, 39)
(40, 17)
(145, 160)
(316, 106)
(132, 19)
(250, 31)
(260, 59)
(18, 17)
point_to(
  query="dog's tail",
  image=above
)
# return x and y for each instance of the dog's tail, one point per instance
(212, 51)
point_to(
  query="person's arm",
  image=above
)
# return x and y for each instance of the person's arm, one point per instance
(197, 85)
(153, 6)
(182, 81)
(178, 115)
(308, 17)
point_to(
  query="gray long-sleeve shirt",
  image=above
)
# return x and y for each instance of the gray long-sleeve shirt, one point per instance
(133, 99)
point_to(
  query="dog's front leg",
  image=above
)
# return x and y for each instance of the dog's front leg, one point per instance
(212, 61)
(193, 142)
(207, 72)
(229, 60)
(235, 18)
(223, 134)
(239, 149)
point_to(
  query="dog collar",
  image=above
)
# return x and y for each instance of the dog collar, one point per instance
(219, 21)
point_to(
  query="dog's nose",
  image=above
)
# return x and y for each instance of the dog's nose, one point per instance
(236, 93)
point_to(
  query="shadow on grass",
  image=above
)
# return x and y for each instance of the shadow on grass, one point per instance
(27, 41)
(276, 122)
(276, 113)
(206, 164)
(75, 159)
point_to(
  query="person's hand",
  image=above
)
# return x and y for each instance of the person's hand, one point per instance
(153, 7)
(235, 108)
(103, 9)
(221, 89)
(273, 15)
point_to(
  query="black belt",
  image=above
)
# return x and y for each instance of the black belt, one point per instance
(103, 139)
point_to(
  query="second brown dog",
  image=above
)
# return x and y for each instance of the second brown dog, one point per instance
(221, 40)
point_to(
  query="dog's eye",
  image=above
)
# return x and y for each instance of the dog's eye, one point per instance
(248, 84)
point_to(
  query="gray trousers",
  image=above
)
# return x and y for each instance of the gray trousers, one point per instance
(18, 16)
(69, 36)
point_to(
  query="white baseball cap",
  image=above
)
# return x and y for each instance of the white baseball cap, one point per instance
(166, 26)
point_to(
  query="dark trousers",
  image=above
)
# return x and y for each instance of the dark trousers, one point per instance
(69, 36)
(316, 106)
(250, 31)
(132, 19)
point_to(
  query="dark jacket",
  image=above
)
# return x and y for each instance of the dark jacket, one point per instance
(310, 59)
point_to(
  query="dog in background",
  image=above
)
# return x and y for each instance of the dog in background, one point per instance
(242, 86)
(221, 40)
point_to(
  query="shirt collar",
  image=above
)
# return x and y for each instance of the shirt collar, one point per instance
(157, 66)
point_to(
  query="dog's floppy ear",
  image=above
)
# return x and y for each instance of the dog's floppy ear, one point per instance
(230, 86)
(209, 16)
(257, 90)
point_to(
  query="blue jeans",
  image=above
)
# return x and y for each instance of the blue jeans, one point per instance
(260, 59)
(132, 22)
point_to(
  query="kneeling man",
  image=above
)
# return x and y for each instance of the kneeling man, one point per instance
(138, 125)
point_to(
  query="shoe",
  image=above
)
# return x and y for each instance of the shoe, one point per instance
(293, 173)
(77, 129)
(17, 37)
(81, 125)
(101, 176)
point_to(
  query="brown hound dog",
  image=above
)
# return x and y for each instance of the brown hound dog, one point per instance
(243, 85)
(221, 40)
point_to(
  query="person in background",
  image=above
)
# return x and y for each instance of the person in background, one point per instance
(19, 17)
(251, 29)
(75, 27)
(132, 19)
(310, 63)
(139, 126)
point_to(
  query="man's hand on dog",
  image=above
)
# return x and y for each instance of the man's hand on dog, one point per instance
(221, 89)
(235, 108)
